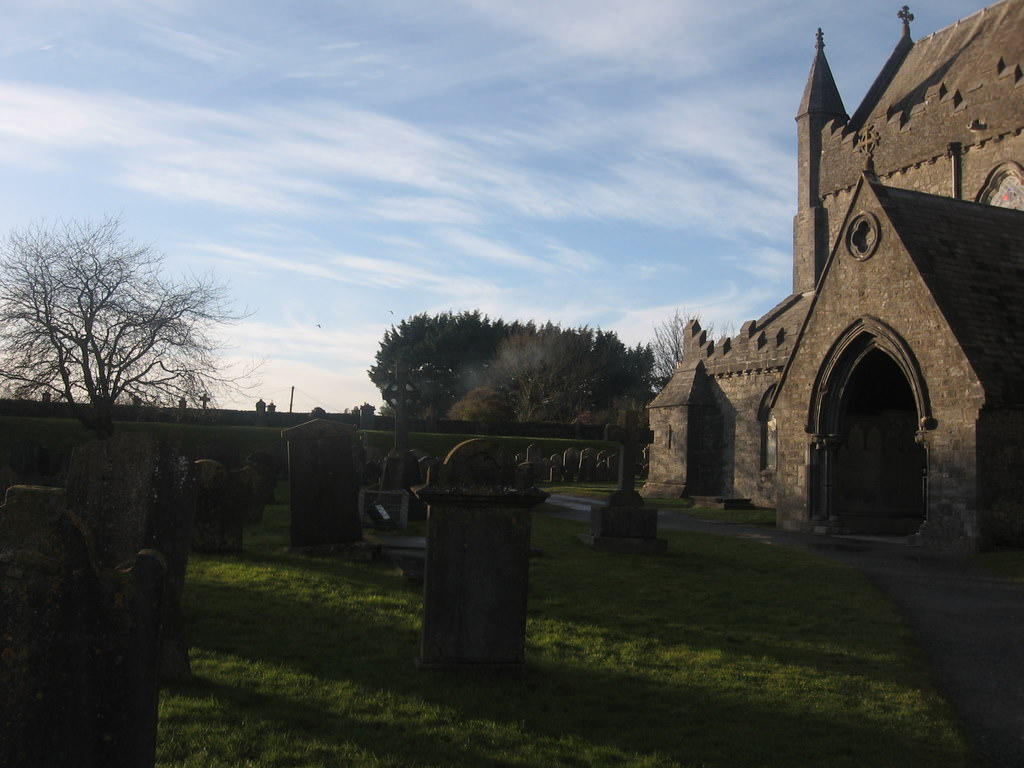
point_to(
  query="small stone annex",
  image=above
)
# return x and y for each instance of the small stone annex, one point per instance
(886, 393)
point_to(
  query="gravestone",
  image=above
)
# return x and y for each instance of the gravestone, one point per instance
(533, 453)
(252, 493)
(384, 509)
(588, 465)
(570, 463)
(80, 646)
(625, 525)
(426, 464)
(221, 500)
(134, 492)
(477, 562)
(401, 471)
(324, 489)
(555, 462)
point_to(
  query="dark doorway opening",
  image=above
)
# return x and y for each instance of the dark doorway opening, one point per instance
(878, 482)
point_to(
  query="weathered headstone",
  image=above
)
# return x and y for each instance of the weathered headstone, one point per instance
(533, 453)
(588, 463)
(79, 650)
(555, 473)
(221, 500)
(324, 488)
(477, 566)
(252, 491)
(133, 492)
(570, 463)
(625, 525)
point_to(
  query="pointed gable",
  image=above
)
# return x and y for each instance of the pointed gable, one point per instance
(962, 85)
(971, 257)
(948, 67)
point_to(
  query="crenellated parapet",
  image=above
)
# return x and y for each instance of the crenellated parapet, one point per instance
(761, 345)
(926, 112)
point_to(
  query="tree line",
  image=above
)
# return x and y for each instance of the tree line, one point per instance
(467, 365)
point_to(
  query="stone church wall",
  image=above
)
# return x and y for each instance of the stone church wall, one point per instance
(890, 286)
(739, 397)
(1000, 481)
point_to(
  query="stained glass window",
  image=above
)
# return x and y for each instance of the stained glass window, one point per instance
(1009, 193)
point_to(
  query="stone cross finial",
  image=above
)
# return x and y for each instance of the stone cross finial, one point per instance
(819, 40)
(906, 17)
(866, 142)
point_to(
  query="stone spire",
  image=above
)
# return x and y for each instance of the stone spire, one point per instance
(820, 105)
(821, 97)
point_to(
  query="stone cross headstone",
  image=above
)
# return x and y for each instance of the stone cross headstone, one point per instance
(324, 486)
(625, 524)
(477, 566)
(399, 394)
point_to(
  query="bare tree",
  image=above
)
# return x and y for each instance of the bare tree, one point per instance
(86, 316)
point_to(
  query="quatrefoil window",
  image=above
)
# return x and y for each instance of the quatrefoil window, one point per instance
(862, 236)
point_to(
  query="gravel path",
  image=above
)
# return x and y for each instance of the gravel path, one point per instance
(969, 621)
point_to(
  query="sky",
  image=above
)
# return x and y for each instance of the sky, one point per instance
(343, 165)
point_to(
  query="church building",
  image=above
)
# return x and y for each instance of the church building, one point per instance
(886, 393)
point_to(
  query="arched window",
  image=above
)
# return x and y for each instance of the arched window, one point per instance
(1004, 187)
(769, 433)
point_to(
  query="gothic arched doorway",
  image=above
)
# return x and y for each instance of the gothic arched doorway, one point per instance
(877, 485)
(868, 468)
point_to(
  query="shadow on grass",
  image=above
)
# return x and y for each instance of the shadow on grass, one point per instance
(578, 693)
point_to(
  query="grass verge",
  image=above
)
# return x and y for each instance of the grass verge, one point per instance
(722, 653)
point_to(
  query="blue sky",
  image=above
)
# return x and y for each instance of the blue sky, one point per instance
(347, 164)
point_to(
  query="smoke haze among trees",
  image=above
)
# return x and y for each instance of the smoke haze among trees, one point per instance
(484, 368)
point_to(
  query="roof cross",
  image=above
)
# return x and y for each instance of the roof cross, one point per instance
(820, 37)
(906, 17)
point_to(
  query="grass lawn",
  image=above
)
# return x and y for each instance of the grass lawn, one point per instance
(722, 653)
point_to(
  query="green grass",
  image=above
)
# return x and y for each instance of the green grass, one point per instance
(602, 490)
(722, 653)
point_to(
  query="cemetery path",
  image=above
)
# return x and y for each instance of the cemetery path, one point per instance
(968, 620)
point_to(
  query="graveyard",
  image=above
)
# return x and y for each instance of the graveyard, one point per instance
(705, 656)
(217, 613)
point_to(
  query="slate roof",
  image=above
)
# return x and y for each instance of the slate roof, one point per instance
(971, 256)
(947, 66)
